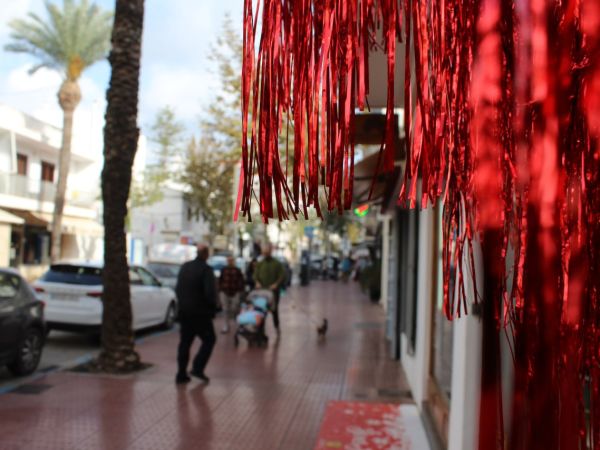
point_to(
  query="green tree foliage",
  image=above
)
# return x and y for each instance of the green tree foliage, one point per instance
(221, 123)
(167, 134)
(70, 40)
(209, 172)
(335, 223)
(209, 177)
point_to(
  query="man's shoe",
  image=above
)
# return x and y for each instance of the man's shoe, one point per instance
(182, 379)
(200, 376)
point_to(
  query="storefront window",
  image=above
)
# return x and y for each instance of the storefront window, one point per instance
(442, 335)
(440, 379)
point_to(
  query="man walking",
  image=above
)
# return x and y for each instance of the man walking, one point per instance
(231, 285)
(270, 274)
(197, 296)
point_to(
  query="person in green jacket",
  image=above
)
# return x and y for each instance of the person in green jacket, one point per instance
(270, 274)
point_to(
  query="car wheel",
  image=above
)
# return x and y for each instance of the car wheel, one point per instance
(30, 352)
(170, 317)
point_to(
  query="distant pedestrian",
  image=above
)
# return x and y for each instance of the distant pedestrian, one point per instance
(270, 274)
(231, 285)
(197, 295)
(346, 268)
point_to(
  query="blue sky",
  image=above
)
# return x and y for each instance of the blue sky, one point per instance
(175, 67)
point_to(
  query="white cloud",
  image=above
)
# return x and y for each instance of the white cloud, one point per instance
(175, 69)
(181, 88)
(36, 95)
(16, 9)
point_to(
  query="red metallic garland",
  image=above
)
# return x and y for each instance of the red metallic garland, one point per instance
(503, 126)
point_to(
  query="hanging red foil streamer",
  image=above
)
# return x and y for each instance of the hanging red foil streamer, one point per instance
(309, 68)
(502, 117)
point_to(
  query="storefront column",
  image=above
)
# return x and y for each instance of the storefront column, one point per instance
(385, 259)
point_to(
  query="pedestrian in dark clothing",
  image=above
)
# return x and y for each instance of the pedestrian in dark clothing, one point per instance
(197, 296)
(270, 274)
(231, 285)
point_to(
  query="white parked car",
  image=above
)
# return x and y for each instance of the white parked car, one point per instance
(72, 293)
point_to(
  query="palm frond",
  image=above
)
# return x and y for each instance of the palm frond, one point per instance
(77, 31)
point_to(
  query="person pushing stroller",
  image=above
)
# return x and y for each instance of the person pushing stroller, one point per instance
(231, 285)
(270, 274)
(252, 317)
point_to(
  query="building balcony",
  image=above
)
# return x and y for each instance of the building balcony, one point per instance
(44, 191)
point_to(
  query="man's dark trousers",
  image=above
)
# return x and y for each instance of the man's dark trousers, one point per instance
(275, 311)
(190, 328)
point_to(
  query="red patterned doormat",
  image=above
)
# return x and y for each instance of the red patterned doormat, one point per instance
(358, 425)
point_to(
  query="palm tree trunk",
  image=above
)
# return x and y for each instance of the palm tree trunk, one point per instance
(69, 96)
(120, 144)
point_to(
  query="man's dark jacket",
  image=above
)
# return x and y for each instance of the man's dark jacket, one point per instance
(196, 290)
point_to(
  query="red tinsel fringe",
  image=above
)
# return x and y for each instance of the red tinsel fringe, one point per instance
(502, 117)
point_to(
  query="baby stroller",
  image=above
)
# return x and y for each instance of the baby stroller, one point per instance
(252, 317)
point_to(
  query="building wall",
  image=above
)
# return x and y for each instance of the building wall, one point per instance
(392, 325)
(466, 333)
(4, 244)
(466, 368)
(385, 261)
(81, 247)
(416, 365)
(40, 142)
(6, 159)
(166, 221)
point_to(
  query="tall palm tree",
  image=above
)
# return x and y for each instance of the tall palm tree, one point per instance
(120, 144)
(71, 40)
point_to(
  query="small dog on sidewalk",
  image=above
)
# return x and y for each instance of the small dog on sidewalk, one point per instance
(322, 329)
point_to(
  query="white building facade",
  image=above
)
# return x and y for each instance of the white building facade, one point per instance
(168, 221)
(441, 358)
(29, 152)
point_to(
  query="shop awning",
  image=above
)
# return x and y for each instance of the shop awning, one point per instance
(6, 217)
(78, 225)
(383, 185)
(70, 224)
(369, 130)
(29, 218)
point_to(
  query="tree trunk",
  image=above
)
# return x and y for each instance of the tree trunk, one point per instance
(120, 144)
(69, 97)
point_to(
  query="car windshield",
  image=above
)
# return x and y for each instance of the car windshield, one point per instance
(70, 274)
(164, 270)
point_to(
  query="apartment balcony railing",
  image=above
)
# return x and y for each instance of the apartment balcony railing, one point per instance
(43, 191)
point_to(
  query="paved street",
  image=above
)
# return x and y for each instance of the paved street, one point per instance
(270, 398)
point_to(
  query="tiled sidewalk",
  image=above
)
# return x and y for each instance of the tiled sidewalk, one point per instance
(258, 398)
